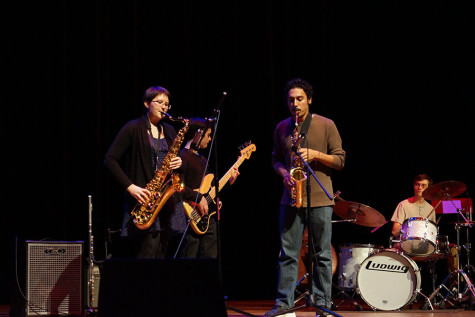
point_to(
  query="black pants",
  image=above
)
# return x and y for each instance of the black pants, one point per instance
(145, 244)
(201, 246)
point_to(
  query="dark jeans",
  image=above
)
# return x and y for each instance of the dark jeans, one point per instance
(292, 225)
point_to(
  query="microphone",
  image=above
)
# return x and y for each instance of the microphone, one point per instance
(210, 121)
(197, 139)
(221, 101)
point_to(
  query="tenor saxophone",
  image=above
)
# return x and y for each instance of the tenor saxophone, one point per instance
(296, 171)
(161, 186)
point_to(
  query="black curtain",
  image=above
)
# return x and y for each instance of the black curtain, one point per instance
(397, 78)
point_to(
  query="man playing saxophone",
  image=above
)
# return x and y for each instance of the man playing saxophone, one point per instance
(133, 158)
(320, 146)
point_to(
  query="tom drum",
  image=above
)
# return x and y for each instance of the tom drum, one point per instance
(418, 236)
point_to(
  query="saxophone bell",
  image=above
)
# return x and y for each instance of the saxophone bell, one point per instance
(296, 192)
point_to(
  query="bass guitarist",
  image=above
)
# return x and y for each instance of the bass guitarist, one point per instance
(194, 167)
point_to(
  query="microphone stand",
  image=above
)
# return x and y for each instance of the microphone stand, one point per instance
(310, 302)
(214, 148)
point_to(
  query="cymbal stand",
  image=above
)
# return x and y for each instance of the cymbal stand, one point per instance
(458, 297)
(449, 292)
(467, 245)
(460, 271)
(348, 296)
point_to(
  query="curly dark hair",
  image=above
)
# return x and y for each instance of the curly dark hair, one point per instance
(299, 83)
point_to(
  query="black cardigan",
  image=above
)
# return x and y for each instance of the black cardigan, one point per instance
(129, 159)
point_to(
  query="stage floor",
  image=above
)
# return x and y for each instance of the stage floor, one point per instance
(344, 308)
(244, 308)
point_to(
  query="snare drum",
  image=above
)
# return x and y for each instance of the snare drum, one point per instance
(351, 257)
(418, 236)
(388, 280)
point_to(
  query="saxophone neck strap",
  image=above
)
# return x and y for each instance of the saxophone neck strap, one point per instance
(306, 124)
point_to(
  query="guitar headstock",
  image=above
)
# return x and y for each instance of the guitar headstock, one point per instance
(247, 149)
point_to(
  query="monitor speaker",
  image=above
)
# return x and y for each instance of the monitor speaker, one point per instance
(54, 278)
(161, 287)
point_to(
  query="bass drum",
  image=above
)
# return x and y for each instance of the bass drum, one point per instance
(388, 280)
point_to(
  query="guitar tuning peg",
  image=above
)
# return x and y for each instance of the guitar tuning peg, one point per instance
(246, 144)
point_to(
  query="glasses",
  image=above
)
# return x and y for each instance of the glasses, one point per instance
(161, 102)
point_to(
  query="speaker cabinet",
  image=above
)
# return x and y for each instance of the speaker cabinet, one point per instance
(54, 280)
(161, 287)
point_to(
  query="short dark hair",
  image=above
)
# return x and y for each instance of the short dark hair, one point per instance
(195, 125)
(299, 83)
(421, 177)
(153, 92)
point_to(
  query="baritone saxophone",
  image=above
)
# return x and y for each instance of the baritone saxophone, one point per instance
(296, 169)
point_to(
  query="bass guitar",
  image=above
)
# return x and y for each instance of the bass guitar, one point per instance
(200, 223)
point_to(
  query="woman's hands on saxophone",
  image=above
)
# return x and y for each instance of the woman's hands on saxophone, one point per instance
(175, 162)
(141, 194)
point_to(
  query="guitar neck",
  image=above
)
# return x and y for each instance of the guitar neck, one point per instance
(226, 177)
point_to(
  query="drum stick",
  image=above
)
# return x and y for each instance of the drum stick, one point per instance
(379, 226)
(433, 209)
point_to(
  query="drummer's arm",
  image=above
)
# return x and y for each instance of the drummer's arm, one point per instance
(396, 229)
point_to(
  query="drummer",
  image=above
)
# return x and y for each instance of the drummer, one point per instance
(415, 206)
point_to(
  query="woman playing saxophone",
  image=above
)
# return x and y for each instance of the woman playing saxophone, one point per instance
(133, 159)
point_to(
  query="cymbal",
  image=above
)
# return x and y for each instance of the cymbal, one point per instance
(361, 214)
(444, 190)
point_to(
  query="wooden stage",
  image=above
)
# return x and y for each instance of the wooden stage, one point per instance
(244, 308)
(347, 309)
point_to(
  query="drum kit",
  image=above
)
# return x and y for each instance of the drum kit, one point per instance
(389, 278)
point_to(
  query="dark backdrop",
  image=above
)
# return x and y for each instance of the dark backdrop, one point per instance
(397, 77)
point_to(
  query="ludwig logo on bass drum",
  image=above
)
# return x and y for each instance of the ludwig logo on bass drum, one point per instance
(386, 267)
